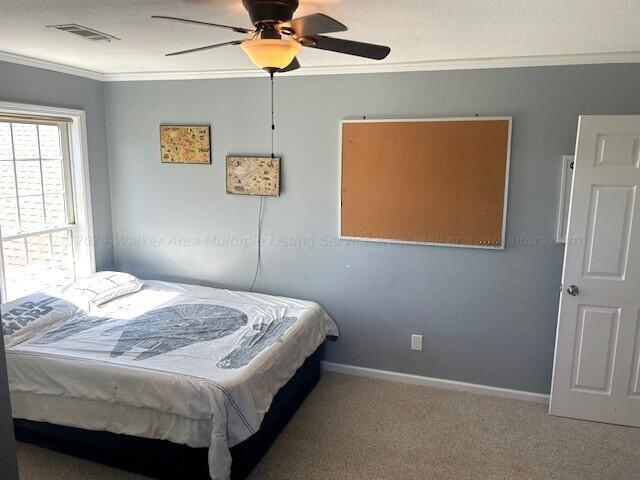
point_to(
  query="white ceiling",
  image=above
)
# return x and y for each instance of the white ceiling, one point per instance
(419, 32)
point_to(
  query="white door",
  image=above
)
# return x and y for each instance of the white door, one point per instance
(597, 364)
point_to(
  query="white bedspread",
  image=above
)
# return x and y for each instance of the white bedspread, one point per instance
(190, 364)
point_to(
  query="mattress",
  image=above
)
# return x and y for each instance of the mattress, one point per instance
(194, 365)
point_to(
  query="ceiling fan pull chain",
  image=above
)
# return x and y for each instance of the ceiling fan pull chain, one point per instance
(273, 122)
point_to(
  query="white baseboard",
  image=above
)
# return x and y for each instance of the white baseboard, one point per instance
(436, 382)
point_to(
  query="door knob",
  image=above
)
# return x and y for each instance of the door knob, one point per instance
(573, 290)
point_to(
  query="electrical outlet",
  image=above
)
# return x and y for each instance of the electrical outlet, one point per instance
(416, 343)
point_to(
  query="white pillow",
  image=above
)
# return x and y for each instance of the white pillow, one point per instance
(101, 288)
(26, 316)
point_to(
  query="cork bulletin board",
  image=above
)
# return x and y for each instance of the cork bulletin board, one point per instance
(433, 181)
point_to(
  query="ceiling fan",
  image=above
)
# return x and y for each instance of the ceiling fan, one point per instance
(277, 38)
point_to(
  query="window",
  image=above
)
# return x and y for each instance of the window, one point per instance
(43, 243)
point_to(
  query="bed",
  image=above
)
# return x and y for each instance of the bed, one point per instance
(164, 375)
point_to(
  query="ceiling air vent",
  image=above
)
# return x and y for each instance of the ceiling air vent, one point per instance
(84, 32)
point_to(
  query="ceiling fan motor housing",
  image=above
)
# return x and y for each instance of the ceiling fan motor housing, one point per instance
(273, 20)
(270, 11)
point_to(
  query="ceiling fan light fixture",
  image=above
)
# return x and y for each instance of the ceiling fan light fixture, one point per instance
(271, 53)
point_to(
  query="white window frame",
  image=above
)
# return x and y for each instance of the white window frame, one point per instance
(83, 239)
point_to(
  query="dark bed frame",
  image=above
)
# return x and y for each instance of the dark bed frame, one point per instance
(169, 461)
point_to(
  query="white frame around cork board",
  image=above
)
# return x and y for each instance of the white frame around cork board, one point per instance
(497, 246)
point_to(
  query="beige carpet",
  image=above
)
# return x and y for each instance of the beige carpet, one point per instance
(358, 429)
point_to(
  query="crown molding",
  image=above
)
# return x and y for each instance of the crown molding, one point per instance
(437, 65)
(45, 64)
(463, 64)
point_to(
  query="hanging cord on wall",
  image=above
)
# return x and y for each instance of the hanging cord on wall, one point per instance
(261, 208)
(259, 236)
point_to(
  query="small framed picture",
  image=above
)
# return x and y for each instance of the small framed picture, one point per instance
(253, 176)
(185, 144)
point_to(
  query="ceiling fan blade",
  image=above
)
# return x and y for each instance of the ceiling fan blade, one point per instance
(359, 49)
(292, 66)
(313, 25)
(207, 24)
(208, 47)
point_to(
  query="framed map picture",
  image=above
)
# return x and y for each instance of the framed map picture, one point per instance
(185, 144)
(253, 176)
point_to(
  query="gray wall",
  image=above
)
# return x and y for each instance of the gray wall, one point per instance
(43, 87)
(488, 317)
